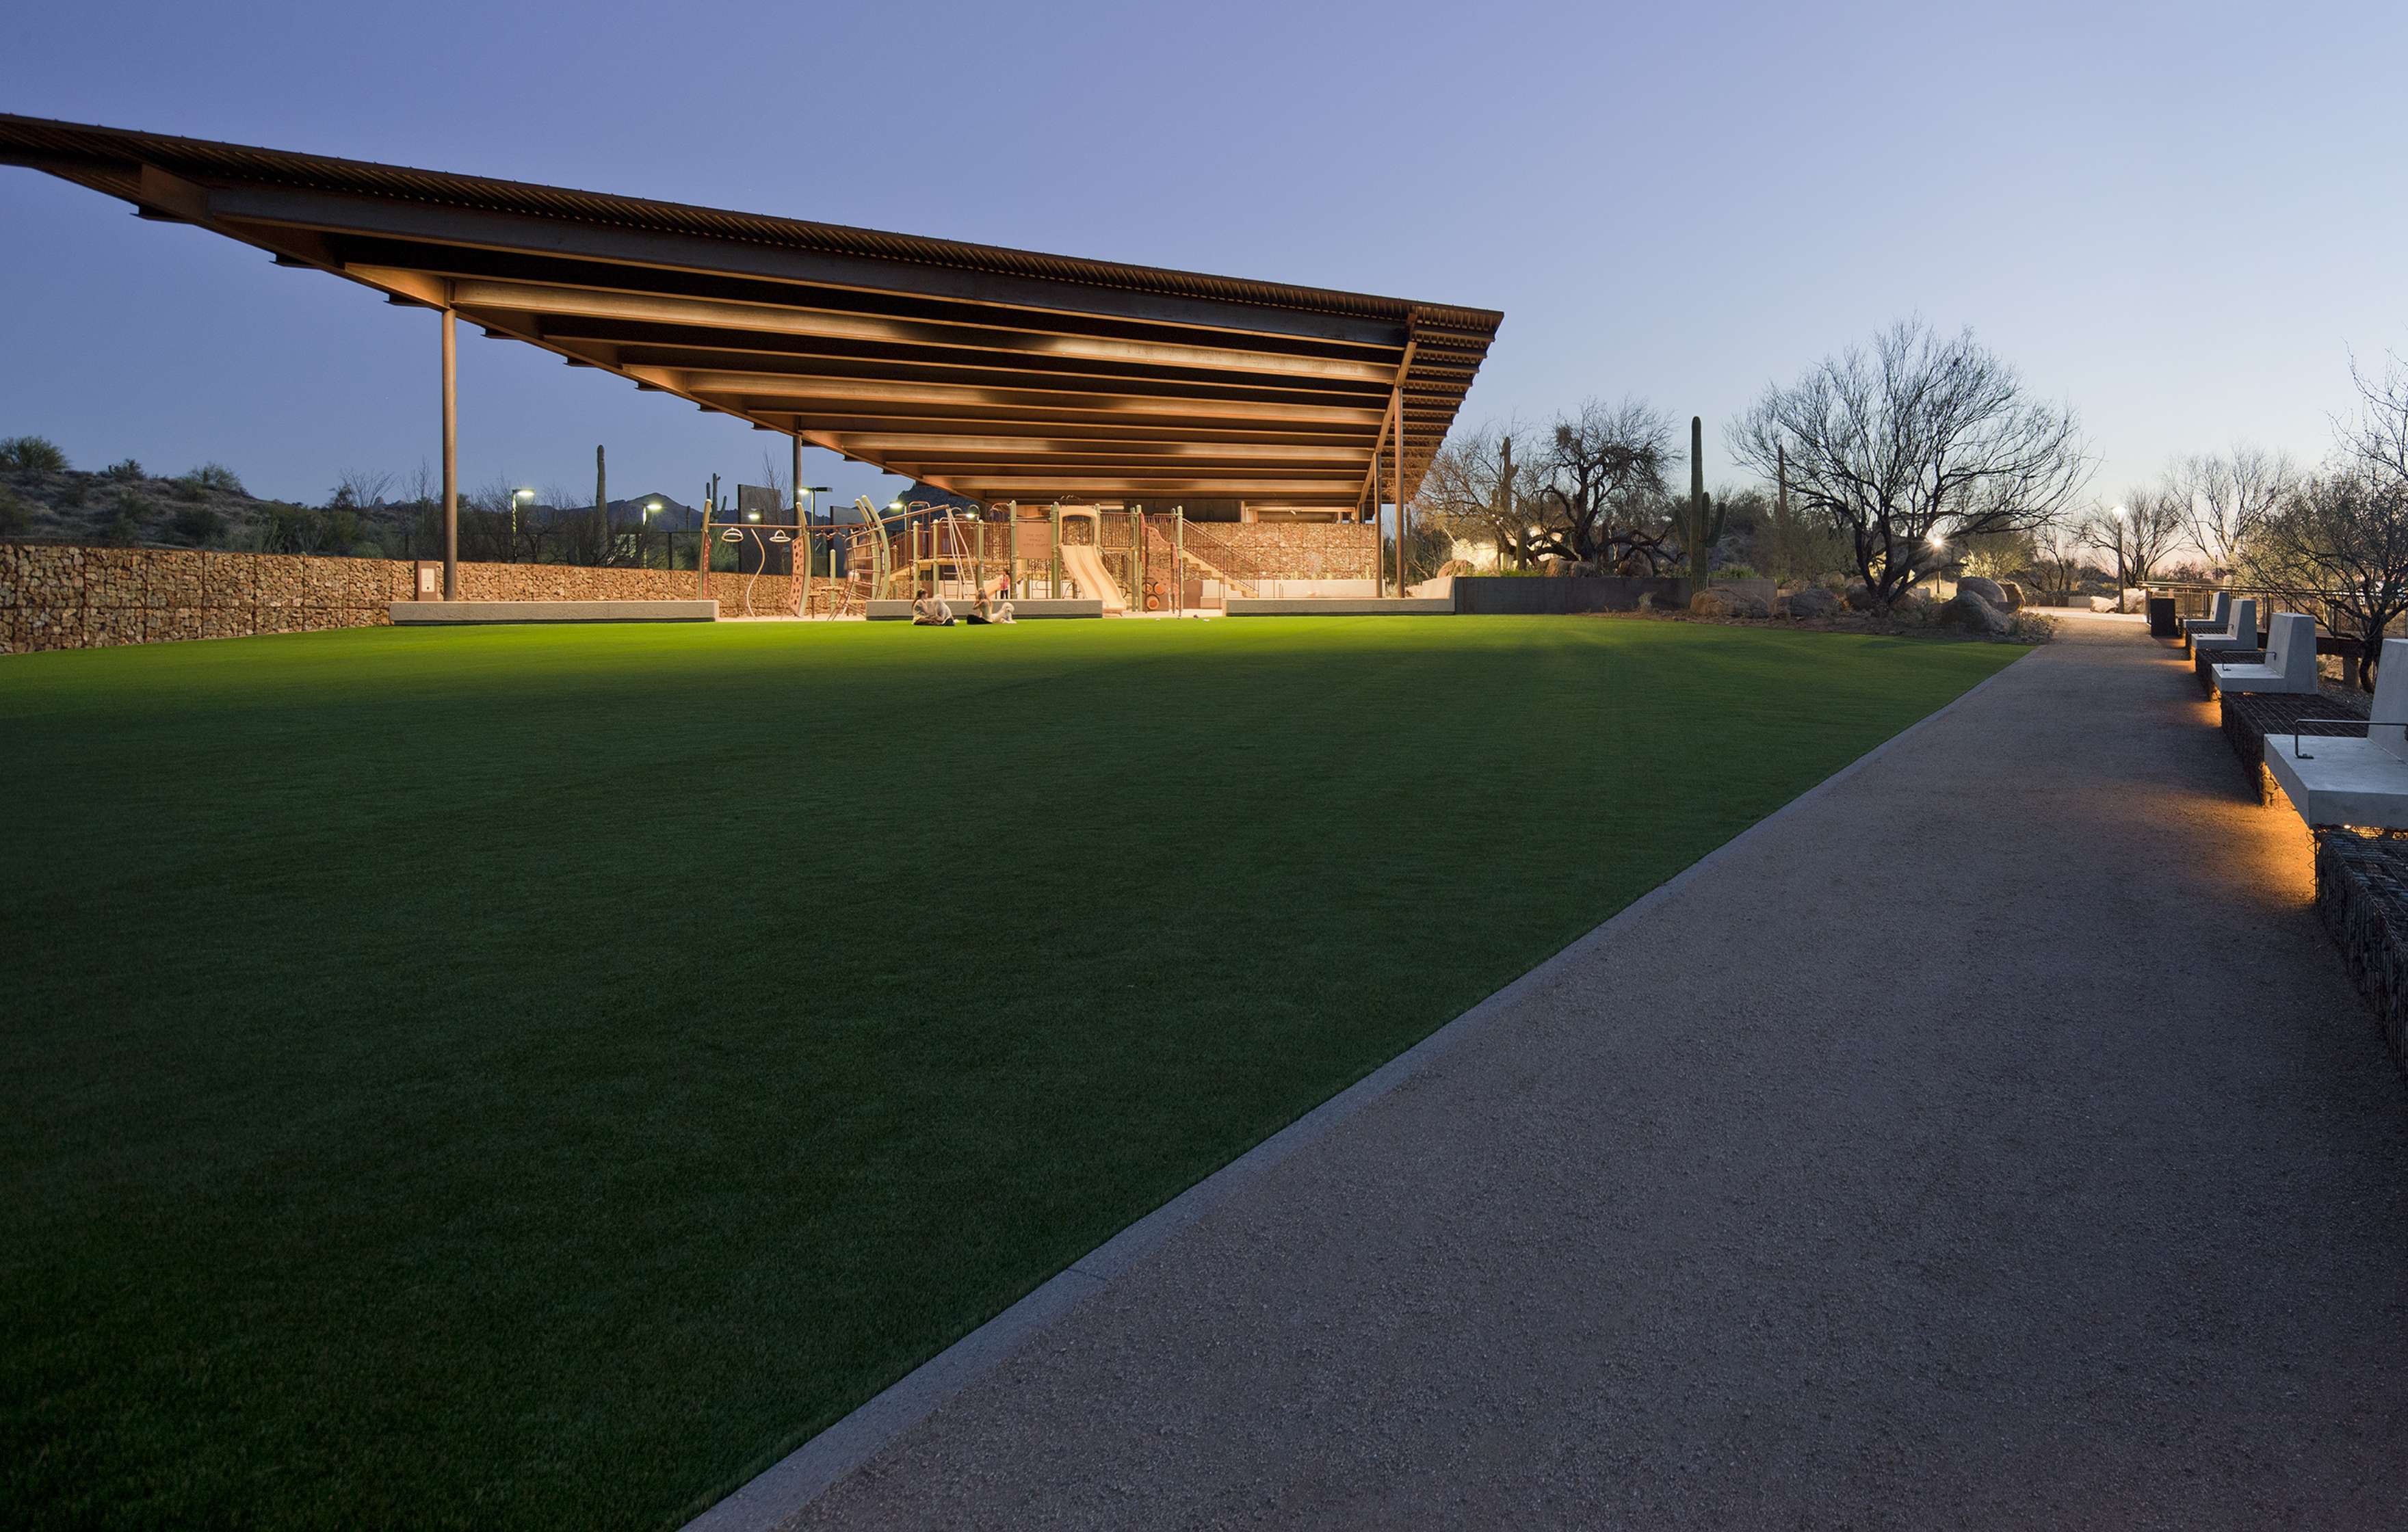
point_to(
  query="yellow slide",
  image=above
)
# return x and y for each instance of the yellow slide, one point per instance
(1082, 563)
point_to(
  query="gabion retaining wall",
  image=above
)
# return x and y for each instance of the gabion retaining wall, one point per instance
(2363, 896)
(62, 597)
(54, 596)
(2248, 718)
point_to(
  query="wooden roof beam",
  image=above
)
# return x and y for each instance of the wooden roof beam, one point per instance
(766, 319)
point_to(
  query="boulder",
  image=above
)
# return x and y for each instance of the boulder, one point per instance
(1721, 601)
(1970, 612)
(1813, 602)
(2014, 592)
(2102, 603)
(1988, 590)
(1859, 597)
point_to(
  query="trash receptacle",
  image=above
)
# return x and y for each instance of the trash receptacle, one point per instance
(2162, 622)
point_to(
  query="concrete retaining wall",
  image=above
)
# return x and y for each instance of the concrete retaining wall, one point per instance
(1412, 606)
(463, 613)
(1499, 596)
(1031, 607)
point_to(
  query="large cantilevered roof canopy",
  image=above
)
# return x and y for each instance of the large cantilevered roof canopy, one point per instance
(997, 373)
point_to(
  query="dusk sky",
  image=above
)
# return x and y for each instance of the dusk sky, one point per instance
(2183, 220)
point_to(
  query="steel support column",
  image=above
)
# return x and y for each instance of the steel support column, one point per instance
(1397, 478)
(451, 458)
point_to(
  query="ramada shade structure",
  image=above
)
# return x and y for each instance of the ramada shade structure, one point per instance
(995, 374)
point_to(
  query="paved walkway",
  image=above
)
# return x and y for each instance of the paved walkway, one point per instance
(1993, 1138)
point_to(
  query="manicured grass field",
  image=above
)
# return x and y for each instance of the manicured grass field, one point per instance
(534, 1078)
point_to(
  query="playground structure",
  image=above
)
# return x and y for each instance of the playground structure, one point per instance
(1126, 558)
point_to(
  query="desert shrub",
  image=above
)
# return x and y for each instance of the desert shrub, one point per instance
(31, 454)
(214, 476)
(2029, 627)
(303, 529)
(1737, 571)
(200, 525)
(129, 517)
(15, 515)
(125, 471)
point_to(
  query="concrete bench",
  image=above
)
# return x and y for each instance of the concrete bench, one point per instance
(409, 614)
(2357, 781)
(2290, 666)
(2220, 617)
(2240, 630)
(884, 610)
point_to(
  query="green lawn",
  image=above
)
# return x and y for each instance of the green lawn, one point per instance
(527, 1077)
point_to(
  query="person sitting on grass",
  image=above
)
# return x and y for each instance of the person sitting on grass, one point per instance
(930, 611)
(993, 607)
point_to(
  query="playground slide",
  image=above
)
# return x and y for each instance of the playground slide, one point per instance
(1082, 563)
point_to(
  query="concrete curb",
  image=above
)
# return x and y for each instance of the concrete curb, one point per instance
(804, 1474)
(407, 615)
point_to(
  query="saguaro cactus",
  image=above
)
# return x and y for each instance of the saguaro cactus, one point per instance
(1701, 520)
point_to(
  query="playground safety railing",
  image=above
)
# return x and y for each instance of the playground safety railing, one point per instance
(1207, 555)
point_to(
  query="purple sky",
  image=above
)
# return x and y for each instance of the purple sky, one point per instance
(2181, 219)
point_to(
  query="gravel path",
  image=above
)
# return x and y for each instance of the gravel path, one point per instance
(1994, 1138)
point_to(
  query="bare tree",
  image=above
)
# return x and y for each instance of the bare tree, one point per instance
(1918, 442)
(2378, 439)
(2339, 546)
(2227, 497)
(1600, 489)
(1474, 491)
(774, 476)
(2058, 557)
(361, 488)
(2139, 531)
(2341, 540)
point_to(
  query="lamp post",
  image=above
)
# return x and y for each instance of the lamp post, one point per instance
(2122, 577)
(646, 527)
(812, 494)
(517, 498)
(1938, 545)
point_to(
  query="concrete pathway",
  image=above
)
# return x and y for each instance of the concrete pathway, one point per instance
(1993, 1138)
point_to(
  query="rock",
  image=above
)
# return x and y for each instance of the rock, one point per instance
(1813, 602)
(1970, 612)
(1721, 601)
(1859, 597)
(2102, 603)
(1988, 590)
(2014, 592)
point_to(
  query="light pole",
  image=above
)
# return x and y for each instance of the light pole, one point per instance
(2122, 576)
(649, 507)
(517, 498)
(1938, 545)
